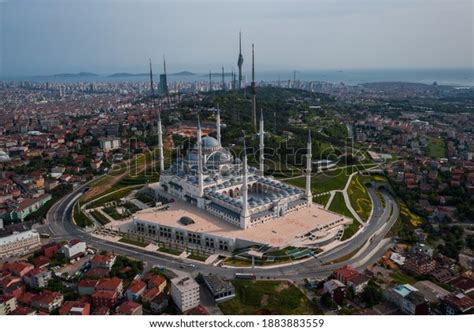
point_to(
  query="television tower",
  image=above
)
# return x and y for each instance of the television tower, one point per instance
(223, 80)
(254, 94)
(210, 81)
(240, 61)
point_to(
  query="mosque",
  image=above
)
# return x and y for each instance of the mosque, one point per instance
(219, 202)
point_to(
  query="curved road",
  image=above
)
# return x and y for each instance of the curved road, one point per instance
(367, 242)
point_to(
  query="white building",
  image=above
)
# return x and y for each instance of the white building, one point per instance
(109, 143)
(185, 293)
(19, 244)
(74, 248)
(7, 304)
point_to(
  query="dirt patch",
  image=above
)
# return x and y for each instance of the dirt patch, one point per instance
(264, 301)
(282, 286)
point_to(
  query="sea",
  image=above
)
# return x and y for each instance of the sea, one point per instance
(452, 77)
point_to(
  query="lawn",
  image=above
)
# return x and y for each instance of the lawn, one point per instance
(232, 261)
(133, 242)
(131, 207)
(321, 199)
(198, 257)
(350, 230)
(359, 198)
(145, 198)
(111, 197)
(338, 205)
(402, 278)
(101, 218)
(79, 217)
(328, 180)
(324, 182)
(169, 250)
(436, 147)
(267, 297)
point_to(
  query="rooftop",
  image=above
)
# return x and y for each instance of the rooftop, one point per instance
(184, 283)
(217, 284)
(290, 226)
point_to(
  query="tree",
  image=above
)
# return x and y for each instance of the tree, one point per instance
(350, 294)
(470, 241)
(327, 301)
(372, 294)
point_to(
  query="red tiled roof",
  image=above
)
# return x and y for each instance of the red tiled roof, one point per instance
(109, 284)
(17, 267)
(102, 310)
(26, 298)
(29, 202)
(136, 286)
(104, 294)
(155, 280)
(97, 273)
(102, 258)
(465, 284)
(151, 293)
(128, 307)
(68, 305)
(460, 301)
(88, 283)
(40, 261)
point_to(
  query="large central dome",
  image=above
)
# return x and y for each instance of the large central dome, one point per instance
(210, 142)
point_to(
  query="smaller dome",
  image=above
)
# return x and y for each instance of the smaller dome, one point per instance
(185, 220)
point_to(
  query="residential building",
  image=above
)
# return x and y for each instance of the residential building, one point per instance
(19, 244)
(114, 284)
(49, 250)
(456, 304)
(419, 264)
(352, 278)
(109, 143)
(130, 308)
(23, 311)
(185, 293)
(159, 304)
(150, 294)
(135, 290)
(87, 286)
(7, 304)
(336, 289)
(104, 298)
(463, 284)
(18, 268)
(156, 281)
(47, 301)
(432, 292)
(75, 308)
(408, 299)
(103, 261)
(26, 207)
(74, 248)
(37, 278)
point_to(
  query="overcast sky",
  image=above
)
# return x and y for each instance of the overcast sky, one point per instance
(105, 36)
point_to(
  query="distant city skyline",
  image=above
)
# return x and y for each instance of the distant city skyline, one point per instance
(45, 37)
